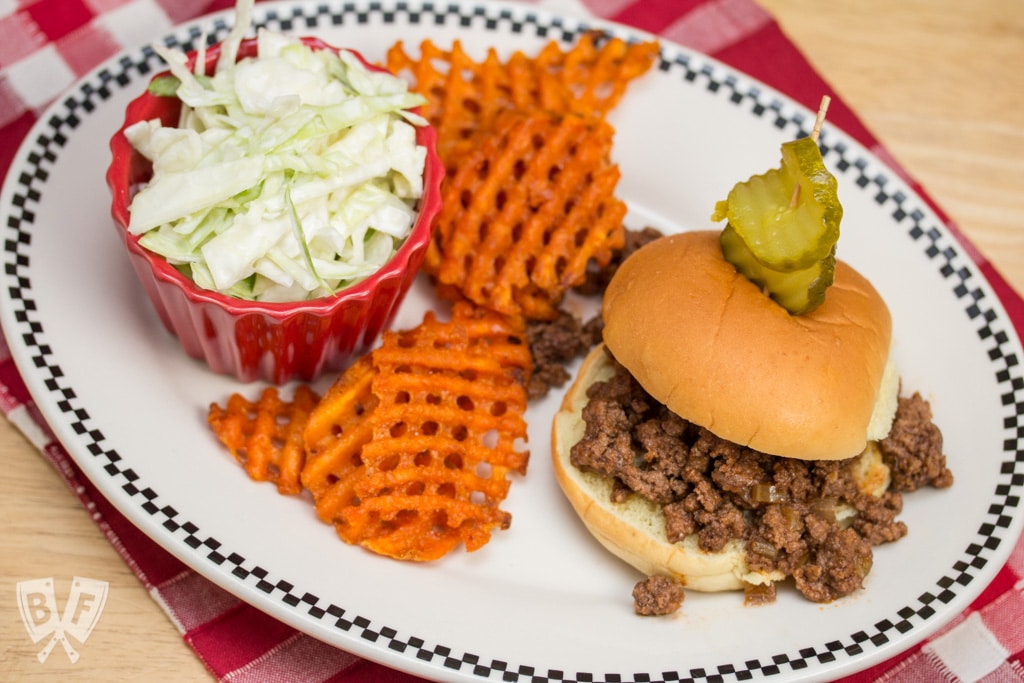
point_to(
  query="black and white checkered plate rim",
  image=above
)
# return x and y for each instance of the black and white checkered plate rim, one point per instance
(937, 245)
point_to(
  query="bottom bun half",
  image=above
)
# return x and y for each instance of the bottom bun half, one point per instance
(635, 529)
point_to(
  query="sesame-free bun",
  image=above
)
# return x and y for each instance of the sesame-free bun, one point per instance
(709, 344)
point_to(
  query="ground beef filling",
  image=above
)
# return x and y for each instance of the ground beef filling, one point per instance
(783, 509)
(555, 343)
(657, 596)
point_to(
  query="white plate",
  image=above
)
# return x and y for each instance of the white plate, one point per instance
(541, 600)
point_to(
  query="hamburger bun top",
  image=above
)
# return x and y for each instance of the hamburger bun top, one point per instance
(709, 344)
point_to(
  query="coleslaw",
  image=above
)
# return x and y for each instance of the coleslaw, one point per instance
(290, 175)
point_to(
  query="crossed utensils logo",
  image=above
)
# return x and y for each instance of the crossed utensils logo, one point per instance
(38, 605)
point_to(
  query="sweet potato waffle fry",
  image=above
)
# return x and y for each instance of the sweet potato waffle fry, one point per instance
(445, 435)
(525, 212)
(464, 97)
(529, 193)
(593, 77)
(266, 436)
(336, 432)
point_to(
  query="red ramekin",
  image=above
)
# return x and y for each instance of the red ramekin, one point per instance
(250, 340)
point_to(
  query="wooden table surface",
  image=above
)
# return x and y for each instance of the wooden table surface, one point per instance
(939, 82)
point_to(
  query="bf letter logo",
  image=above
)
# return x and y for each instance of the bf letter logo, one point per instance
(38, 604)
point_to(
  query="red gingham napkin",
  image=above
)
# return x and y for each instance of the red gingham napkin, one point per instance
(45, 45)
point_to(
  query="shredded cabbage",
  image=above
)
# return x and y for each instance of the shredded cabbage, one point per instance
(290, 176)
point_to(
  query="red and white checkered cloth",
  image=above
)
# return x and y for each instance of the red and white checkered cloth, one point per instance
(45, 45)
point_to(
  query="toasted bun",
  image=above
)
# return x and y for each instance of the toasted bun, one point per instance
(635, 529)
(705, 341)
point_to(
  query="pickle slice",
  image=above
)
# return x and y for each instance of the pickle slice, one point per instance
(798, 291)
(785, 228)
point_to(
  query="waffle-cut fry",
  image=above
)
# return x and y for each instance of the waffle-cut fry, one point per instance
(528, 196)
(445, 435)
(525, 212)
(337, 430)
(266, 436)
(593, 77)
(464, 97)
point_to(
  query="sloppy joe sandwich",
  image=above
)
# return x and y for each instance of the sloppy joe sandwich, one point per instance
(725, 438)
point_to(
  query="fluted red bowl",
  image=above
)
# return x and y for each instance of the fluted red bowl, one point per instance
(251, 340)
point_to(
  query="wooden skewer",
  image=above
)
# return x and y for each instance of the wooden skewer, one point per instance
(815, 132)
(820, 119)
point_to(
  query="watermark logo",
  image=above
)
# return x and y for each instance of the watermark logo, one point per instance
(37, 602)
